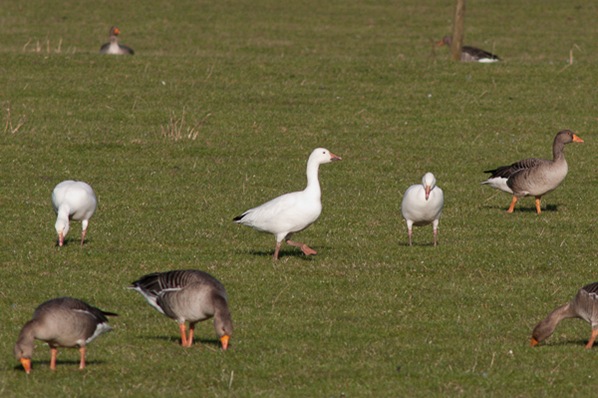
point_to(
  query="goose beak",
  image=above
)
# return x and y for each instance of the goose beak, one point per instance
(534, 342)
(427, 192)
(116, 31)
(224, 340)
(26, 362)
(333, 157)
(576, 138)
(60, 239)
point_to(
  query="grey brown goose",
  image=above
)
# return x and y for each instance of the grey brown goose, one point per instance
(534, 177)
(61, 322)
(471, 54)
(584, 306)
(292, 212)
(73, 200)
(188, 296)
(113, 46)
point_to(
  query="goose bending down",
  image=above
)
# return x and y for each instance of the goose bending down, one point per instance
(584, 306)
(61, 322)
(471, 54)
(188, 295)
(73, 200)
(422, 204)
(113, 47)
(292, 212)
(534, 177)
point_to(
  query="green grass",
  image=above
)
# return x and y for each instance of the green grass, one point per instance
(262, 83)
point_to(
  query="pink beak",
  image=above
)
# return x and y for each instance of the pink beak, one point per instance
(60, 239)
(427, 192)
(334, 157)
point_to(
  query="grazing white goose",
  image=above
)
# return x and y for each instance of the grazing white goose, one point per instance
(113, 47)
(61, 322)
(584, 306)
(471, 54)
(188, 295)
(535, 177)
(422, 204)
(73, 200)
(292, 212)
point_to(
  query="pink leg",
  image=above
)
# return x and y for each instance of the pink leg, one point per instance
(183, 334)
(592, 339)
(53, 353)
(435, 237)
(83, 236)
(277, 250)
(308, 251)
(409, 234)
(82, 362)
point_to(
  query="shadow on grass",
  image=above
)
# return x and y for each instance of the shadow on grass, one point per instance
(523, 209)
(66, 242)
(42, 364)
(282, 254)
(567, 343)
(177, 340)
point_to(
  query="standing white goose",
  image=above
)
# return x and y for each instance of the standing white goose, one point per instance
(113, 47)
(291, 212)
(534, 176)
(422, 204)
(188, 295)
(73, 200)
(61, 322)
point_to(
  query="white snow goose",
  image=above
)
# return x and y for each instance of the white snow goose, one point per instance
(291, 212)
(73, 200)
(188, 295)
(534, 177)
(584, 306)
(422, 205)
(61, 322)
(471, 54)
(113, 47)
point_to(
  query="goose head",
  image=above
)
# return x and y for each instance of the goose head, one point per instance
(62, 228)
(224, 329)
(322, 155)
(23, 353)
(429, 182)
(114, 31)
(567, 136)
(446, 41)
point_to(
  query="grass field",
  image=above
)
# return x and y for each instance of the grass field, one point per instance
(253, 87)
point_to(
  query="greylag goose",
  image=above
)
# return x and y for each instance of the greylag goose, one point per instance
(61, 322)
(584, 306)
(188, 295)
(291, 212)
(113, 47)
(422, 204)
(471, 54)
(534, 177)
(73, 200)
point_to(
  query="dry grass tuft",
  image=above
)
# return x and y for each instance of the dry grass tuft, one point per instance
(177, 128)
(9, 126)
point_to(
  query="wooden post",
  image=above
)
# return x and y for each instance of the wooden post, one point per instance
(458, 27)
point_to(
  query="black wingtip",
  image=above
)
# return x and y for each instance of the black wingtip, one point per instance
(239, 217)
